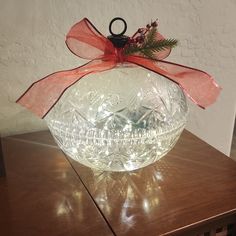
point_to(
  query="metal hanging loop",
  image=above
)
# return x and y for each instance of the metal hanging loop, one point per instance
(119, 19)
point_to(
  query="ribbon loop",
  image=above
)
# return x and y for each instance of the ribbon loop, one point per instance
(85, 41)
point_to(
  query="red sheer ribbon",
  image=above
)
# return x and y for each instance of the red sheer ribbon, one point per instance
(85, 41)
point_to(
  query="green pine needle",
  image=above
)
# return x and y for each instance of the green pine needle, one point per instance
(150, 45)
(151, 36)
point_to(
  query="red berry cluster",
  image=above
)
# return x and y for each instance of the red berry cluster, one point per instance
(139, 36)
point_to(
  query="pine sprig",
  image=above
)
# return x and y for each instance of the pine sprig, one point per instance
(150, 46)
(150, 38)
(159, 45)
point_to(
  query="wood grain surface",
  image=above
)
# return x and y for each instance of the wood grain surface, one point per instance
(43, 196)
(193, 186)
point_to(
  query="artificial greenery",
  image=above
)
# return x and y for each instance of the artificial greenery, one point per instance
(148, 45)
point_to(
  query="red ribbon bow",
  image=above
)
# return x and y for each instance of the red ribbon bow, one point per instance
(85, 41)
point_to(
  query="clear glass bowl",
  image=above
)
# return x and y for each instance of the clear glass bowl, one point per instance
(119, 120)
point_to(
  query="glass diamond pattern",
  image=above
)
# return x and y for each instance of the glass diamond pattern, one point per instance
(119, 120)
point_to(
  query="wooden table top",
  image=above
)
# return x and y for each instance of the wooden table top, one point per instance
(46, 193)
(41, 195)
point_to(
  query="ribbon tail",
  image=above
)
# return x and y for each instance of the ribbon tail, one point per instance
(199, 86)
(42, 95)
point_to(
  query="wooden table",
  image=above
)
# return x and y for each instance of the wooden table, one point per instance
(191, 191)
(2, 164)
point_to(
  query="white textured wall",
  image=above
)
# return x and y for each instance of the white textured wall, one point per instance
(32, 45)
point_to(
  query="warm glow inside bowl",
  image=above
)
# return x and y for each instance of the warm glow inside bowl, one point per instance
(119, 120)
